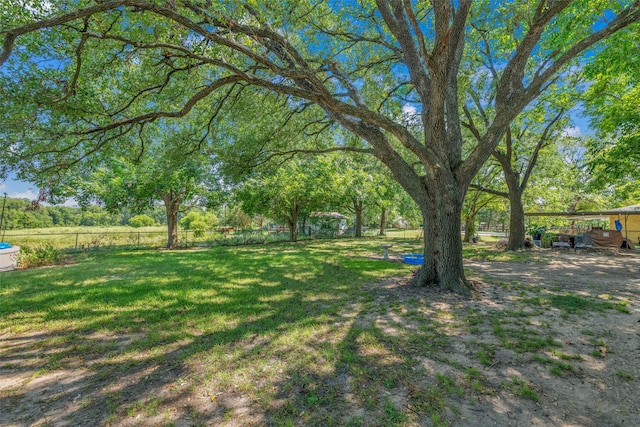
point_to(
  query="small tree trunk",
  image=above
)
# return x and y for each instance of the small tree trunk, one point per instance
(358, 208)
(468, 228)
(489, 221)
(383, 222)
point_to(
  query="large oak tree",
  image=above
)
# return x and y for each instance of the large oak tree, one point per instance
(364, 63)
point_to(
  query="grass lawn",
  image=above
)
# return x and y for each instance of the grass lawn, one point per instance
(286, 334)
(250, 312)
(174, 293)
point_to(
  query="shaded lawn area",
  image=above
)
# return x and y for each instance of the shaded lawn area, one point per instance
(313, 333)
(179, 292)
(132, 317)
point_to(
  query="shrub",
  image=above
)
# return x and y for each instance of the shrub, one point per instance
(198, 226)
(199, 222)
(141, 221)
(38, 256)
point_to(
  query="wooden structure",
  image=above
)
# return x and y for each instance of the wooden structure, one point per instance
(628, 216)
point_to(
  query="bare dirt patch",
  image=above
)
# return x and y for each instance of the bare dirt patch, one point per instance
(553, 340)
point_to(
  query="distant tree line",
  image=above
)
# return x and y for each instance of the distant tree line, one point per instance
(22, 213)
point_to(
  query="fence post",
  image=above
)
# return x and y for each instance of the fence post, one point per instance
(138, 240)
(76, 241)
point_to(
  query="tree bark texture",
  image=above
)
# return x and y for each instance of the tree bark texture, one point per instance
(516, 222)
(292, 221)
(172, 207)
(358, 209)
(383, 222)
(443, 265)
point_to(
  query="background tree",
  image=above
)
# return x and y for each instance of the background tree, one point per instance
(532, 131)
(359, 63)
(23, 213)
(537, 131)
(612, 103)
(141, 220)
(167, 170)
(364, 184)
(294, 189)
(563, 181)
(478, 198)
(389, 197)
(199, 222)
(238, 218)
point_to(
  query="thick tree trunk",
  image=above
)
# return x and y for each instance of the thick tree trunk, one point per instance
(383, 222)
(516, 189)
(172, 207)
(292, 222)
(443, 265)
(358, 208)
(293, 228)
(516, 222)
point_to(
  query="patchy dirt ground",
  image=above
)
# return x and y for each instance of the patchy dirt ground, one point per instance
(549, 341)
(602, 389)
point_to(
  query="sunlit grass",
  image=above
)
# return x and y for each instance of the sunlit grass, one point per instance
(293, 328)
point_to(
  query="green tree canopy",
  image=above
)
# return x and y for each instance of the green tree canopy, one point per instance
(390, 72)
(612, 102)
(295, 189)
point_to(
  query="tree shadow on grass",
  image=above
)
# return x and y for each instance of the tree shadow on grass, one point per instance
(292, 338)
(116, 346)
(413, 359)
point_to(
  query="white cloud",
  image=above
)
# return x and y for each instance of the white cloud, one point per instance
(409, 110)
(28, 194)
(32, 195)
(70, 203)
(410, 115)
(573, 131)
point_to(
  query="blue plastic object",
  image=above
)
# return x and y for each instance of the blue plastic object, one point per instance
(416, 259)
(5, 245)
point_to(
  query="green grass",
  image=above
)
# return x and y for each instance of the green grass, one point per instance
(576, 304)
(134, 291)
(90, 237)
(291, 327)
(560, 368)
(485, 354)
(520, 388)
(624, 375)
(238, 316)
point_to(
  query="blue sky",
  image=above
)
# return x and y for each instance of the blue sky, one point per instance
(18, 189)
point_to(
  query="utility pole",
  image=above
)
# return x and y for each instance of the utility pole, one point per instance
(4, 202)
